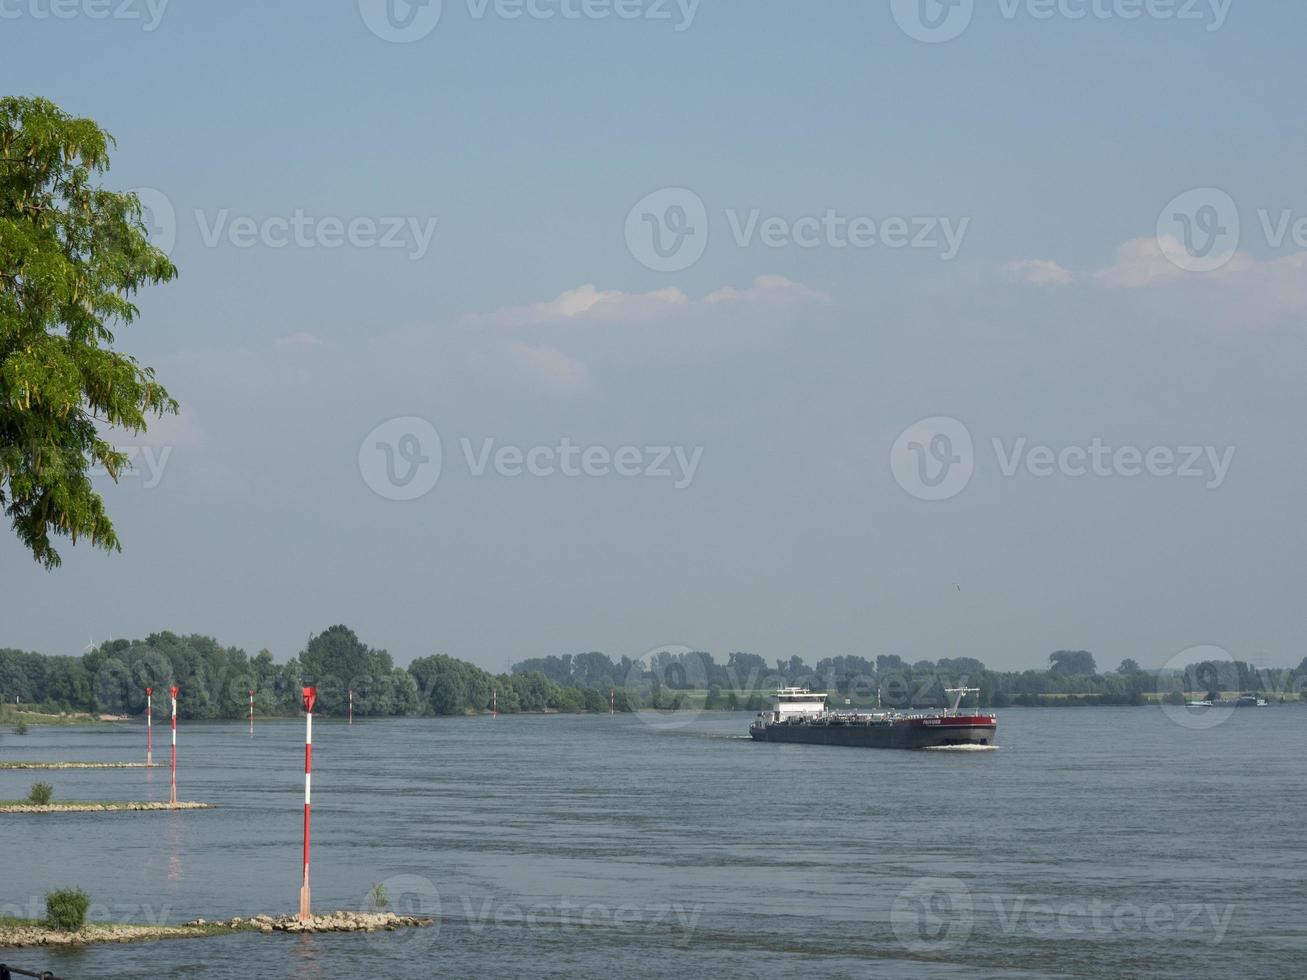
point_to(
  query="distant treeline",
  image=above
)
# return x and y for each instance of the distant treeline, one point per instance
(1072, 677)
(215, 681)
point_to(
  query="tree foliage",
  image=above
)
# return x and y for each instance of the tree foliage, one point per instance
(1072, 663)
(72, 256)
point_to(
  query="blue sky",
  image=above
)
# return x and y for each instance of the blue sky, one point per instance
(1056, 148)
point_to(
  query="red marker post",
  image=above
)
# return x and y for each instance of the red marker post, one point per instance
(173, 798)
(149, 727)
(310, 698)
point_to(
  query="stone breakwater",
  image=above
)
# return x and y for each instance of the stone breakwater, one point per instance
(78, 765)
(36, 934)
(98, 807)
(331, 922)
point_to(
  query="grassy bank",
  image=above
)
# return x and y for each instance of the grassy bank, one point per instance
(14, 717)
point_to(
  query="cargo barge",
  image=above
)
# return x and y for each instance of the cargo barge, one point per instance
(803, 717)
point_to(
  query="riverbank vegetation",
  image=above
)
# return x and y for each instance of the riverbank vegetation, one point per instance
(215, 681)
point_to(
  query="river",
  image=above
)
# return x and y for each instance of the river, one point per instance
(1093, 842)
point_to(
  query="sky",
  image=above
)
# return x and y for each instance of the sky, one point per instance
(511, 329)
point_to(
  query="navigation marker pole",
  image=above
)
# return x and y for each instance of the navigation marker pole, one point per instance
(351, 707)
(612, 701)
(251, 714)
(172, 799)
(149, 727)
(310, 697)
(494, 702)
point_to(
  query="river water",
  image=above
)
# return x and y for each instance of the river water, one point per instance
(1094, 842)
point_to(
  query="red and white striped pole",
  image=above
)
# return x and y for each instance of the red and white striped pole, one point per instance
(251, 714)
(149, 726)
(172, 799)
(310, 697)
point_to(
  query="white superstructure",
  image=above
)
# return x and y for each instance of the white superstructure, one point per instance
(796, 702)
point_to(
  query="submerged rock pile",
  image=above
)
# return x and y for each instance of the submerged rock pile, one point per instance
(98, 807)
(36, 934)
(79, 765)
(332, 922)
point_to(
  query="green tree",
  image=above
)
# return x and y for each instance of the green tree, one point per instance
(1072, 663)
(71, 256)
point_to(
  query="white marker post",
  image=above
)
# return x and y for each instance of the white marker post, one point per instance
(494, 702)
(149, 727)
(351, 707)
(172, 799)
(612, 700)
(310, 697)
(251, 714)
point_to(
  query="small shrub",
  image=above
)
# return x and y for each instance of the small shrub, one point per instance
(66, 909)
(20, 728)
(41, 794)
(378, 898)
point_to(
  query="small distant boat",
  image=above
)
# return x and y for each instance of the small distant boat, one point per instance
(799, 715)
(1242, 701)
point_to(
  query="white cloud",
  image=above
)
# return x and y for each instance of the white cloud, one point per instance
(589, 305)
(1038, 272)
(1142, 262)
(586, 304)
(549, 365)
(1244, 290)
(769, 290)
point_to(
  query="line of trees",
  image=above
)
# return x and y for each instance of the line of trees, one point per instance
(216, 680)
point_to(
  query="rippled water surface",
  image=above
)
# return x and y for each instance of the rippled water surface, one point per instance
(1095, 842)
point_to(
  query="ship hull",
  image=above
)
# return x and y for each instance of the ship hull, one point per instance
(902, 733)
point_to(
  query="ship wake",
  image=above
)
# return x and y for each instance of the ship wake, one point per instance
(960, 748)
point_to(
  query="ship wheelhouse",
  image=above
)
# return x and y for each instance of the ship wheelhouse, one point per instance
(793, 703)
